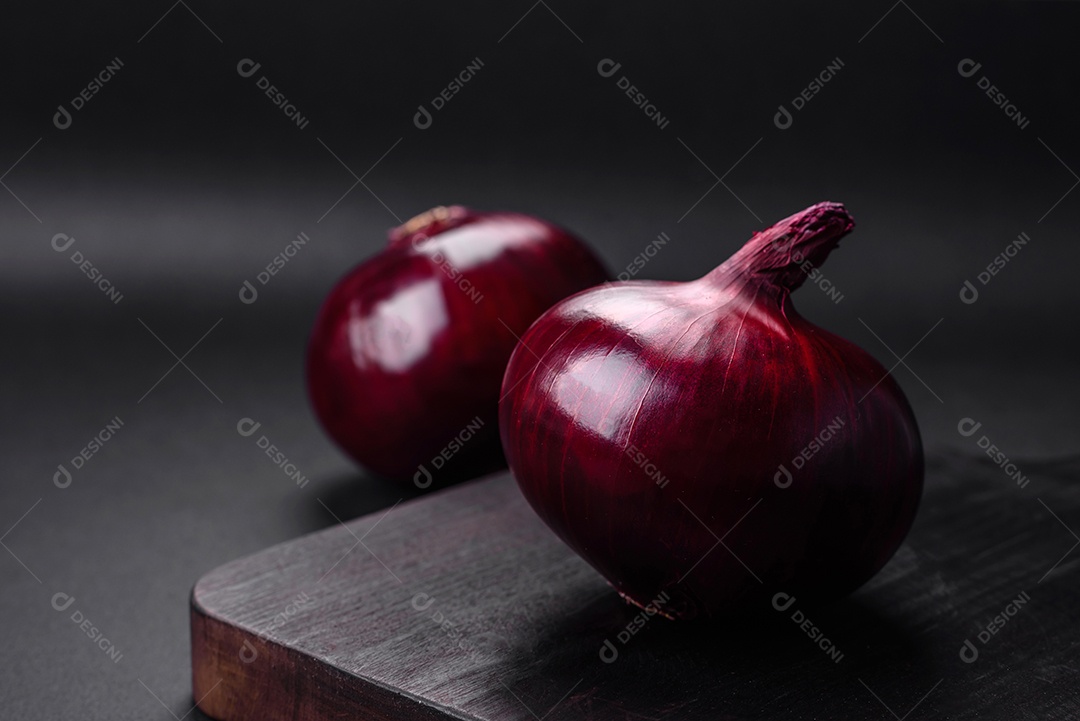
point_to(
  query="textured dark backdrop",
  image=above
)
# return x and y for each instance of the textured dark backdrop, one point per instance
(179, 180)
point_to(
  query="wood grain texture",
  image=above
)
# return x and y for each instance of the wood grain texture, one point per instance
(462, 605)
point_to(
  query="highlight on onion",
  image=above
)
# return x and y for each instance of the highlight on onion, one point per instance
(702, 440)
(408, 351)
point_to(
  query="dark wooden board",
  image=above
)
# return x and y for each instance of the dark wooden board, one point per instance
(462, 605)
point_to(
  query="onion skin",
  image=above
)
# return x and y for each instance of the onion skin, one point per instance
(657, 402)
(409, 349)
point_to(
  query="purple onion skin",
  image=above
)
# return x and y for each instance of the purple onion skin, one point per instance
(409, 349)
(657, 402)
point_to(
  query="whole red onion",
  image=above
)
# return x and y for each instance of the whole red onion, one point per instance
(702, 440)
(408, 351)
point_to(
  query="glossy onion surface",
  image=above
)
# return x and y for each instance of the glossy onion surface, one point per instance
(408, 351)
(704, 441)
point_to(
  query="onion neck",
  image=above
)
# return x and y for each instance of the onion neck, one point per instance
(783, 255)
(429, 223)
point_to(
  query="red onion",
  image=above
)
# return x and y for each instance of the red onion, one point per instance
(703, 440)
(408, 350)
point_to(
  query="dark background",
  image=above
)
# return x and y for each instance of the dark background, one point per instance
(180, 180)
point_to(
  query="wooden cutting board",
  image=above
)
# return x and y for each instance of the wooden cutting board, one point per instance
(462, 605)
